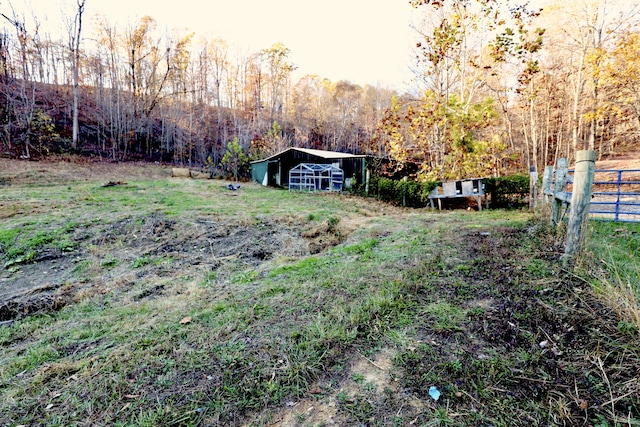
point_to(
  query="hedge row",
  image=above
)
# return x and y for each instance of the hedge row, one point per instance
(504, 192)
(507, 191)
(403, 192)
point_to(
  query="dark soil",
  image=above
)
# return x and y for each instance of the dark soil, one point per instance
(155, 247)
(529, 342)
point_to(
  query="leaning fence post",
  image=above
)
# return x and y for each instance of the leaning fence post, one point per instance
(580, 200)
(559, 196)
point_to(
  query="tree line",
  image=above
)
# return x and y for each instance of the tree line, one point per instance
(508, 86)
(499, 88)
(172, 97)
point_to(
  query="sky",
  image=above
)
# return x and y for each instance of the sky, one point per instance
(362, 41)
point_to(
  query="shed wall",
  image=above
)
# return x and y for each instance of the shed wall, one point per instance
(279, 167)
(259, 171)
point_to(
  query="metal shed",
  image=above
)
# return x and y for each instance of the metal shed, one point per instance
(274, 170)
(316, 177)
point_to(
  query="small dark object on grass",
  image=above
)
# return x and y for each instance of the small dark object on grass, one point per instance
(233, 187)
(114, 183)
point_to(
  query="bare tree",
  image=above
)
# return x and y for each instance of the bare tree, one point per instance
(75, 33)
(22, 103)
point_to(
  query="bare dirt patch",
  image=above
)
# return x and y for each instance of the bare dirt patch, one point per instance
(629, 160)
(154, 249)
(323, 405)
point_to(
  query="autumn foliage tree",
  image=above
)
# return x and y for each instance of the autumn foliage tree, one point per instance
(620, 79)
(447, 130)
(444, 139)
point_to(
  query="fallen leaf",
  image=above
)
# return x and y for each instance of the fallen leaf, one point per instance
(123, 408)
(185, 320)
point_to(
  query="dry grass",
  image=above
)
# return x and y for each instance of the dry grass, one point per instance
(619, 294)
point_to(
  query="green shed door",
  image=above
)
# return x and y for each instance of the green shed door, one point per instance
(259, 172)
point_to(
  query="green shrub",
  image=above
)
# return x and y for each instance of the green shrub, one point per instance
(507, 191)
(403, 192)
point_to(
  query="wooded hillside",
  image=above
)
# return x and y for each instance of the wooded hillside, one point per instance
(498, 89)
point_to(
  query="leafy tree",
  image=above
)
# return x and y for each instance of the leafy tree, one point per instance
(279, 70)
(43, 132)
(346, 103)
(583, 31)
(459, 63)
(524, 45)
(234, 160)
(621, 73)
(442, 137)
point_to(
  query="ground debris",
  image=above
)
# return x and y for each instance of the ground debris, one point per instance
(113, 184)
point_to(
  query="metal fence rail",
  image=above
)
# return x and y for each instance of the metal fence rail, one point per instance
(616, 195)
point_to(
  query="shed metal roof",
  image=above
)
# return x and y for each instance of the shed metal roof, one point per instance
(318, 153)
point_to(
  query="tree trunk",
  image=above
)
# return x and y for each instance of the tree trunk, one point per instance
(76, 66)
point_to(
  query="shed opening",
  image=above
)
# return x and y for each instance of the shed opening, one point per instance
(316, 177)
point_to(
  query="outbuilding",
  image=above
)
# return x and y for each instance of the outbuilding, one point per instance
(275, 170)
(473, 187)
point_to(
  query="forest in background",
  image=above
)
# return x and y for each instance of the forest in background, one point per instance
(500, 88)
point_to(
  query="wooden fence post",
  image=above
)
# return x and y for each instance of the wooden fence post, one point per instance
(533, 188)
(546, 184)
(558, 190)
(366, 182)
(580, 200)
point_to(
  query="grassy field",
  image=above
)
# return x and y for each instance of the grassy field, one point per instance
(160, 301)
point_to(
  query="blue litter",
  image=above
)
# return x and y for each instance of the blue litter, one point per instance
(434, 392)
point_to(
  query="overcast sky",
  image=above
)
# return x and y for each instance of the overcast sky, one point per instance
(363, 41)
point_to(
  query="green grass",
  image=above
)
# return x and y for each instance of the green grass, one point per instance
(141, 262)
(8, 236)
(612, 263)
(22, 244)
(443, 316)
(460, 300)
(616, 247)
